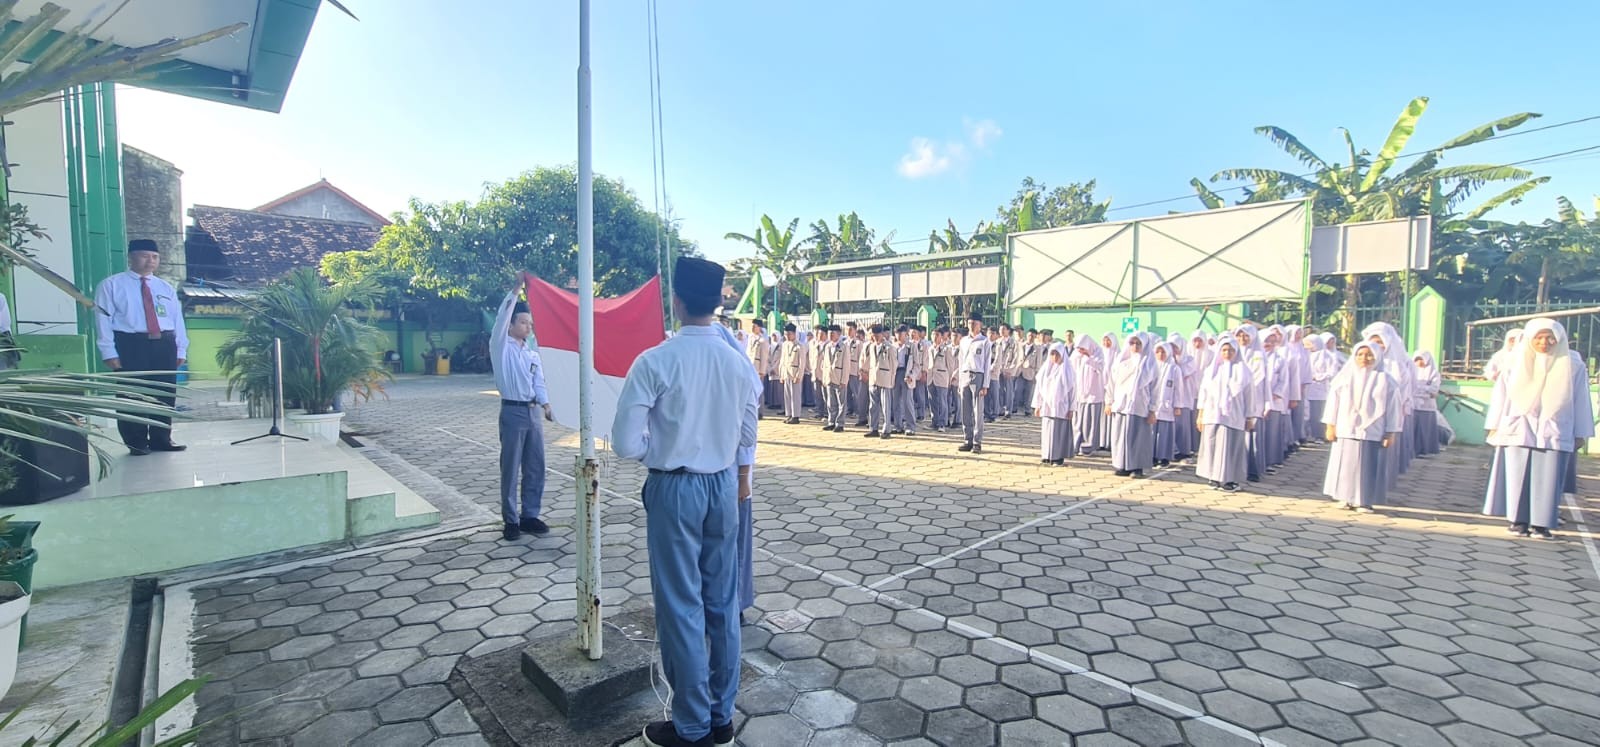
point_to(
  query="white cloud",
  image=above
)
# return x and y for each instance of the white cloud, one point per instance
(928, 157)
(983, 132)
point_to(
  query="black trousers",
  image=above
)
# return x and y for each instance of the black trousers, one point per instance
(138, 352)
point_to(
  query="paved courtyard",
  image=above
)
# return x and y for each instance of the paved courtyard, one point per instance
(911, 595)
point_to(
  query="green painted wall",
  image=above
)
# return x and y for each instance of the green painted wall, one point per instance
(207, 334)
(53, 351)
(1466, 415)
(1159, 319)
(88, 540)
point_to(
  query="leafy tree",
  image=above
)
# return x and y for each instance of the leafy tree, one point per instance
(851, 240)
(779, 253)
(470, 251)
(1368, 187)
(1036, 205)
(1567, 246)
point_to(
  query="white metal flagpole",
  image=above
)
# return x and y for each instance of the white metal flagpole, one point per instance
(587, 483)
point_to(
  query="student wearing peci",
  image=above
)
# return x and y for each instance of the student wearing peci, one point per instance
(687, 410)
(519, 375)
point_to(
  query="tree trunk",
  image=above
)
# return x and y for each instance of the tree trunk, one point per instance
(1352, 299)
(1543, 299)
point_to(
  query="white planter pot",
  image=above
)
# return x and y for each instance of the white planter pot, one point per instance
(323, 428)
(10, 634)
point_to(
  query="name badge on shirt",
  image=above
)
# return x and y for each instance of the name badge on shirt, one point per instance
(161, 309)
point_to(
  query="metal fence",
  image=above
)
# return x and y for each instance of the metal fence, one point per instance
(1465, 352)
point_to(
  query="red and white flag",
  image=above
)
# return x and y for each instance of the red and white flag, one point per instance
(624, 327)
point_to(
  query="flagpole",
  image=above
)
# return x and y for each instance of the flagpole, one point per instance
(590, 638)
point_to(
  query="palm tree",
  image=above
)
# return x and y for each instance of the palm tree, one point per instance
(1363, 187)
(326, 350)
(777, 252)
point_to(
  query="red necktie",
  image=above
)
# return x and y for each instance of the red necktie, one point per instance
(151, 323)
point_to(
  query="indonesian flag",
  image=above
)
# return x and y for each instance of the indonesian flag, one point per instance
(623, 328)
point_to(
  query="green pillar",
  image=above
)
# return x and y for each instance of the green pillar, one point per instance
(94, 195)
(1425, 314)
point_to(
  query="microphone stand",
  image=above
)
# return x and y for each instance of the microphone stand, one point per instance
(277, 371)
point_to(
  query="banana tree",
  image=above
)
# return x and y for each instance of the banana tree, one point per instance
(1366, 187)
(779, 253)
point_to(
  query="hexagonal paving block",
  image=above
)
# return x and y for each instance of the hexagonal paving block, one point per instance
(1071, 714)
(889, 719)
(824, 709)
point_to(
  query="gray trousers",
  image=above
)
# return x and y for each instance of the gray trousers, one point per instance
(835, 397)
(1006, 404)
(819, 396)
(920, 397)
(858, 396)
(972, 413)
(880, 408)
(521, 462)
(939, 397)
(793, 394)
(905, 416)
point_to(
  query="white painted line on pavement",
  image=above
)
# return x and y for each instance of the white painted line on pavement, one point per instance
(1058, 513)
(969, 631)
(1584, 535)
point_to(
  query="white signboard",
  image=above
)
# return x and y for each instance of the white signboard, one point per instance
(1376, 246)
(1245, 253)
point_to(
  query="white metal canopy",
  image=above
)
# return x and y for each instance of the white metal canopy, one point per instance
(1245, 253)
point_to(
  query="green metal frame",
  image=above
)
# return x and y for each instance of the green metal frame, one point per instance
(278, 37)
(94, 195)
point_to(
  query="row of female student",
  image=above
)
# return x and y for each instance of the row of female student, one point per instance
(1241, 403)
(1539, 417)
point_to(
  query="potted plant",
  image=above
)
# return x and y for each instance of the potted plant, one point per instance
(327, 351)
(13, 605)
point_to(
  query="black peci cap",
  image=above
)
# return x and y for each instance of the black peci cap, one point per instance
(143, 245)
(696, 279)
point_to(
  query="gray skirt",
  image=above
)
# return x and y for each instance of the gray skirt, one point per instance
(1185, 438)
(1132, 442)
(1091, 426)
(1315, 408)
(1425, 433)
(1166, 446)
(1527, 484)
(1222, 457)
(1055, 438)
(1356, 473)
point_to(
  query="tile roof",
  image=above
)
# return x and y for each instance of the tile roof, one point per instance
(253, 247)
(323, 184)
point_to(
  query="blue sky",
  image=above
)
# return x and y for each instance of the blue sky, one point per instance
(906, 112)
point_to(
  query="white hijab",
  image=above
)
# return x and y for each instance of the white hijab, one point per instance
(1360, 388)
(1541, 380)
(1227, 383)
(1428, 374)
(1055, 382)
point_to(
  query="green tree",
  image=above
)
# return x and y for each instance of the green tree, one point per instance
(1369, 187)
(847, 240)
(1036, 205)
(1566, 246)
(471, 250)
(779, 253)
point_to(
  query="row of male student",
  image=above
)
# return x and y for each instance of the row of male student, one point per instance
(889, 382)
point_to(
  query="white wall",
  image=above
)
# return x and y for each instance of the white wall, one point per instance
(36, 143)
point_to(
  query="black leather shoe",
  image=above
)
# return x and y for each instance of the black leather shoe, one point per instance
(964, 447)
(512, 533)
(534, 527)
(870, 434)
(167, 447)
(722, 734)
(885, 435)
(137, 451)
(977, 448)
(663, 734)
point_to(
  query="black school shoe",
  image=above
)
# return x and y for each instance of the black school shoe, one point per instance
(964, 447)
(977, 448)
(168, 447)
(1517, 530)
(664, 734)
(534, 527)
(870, 434)
(512, 533)
(1543, 533)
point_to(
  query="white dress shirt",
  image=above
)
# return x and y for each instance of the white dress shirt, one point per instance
(975, 364)
(5, 315)
(518, 370)
(119, 307)
(671, 412)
